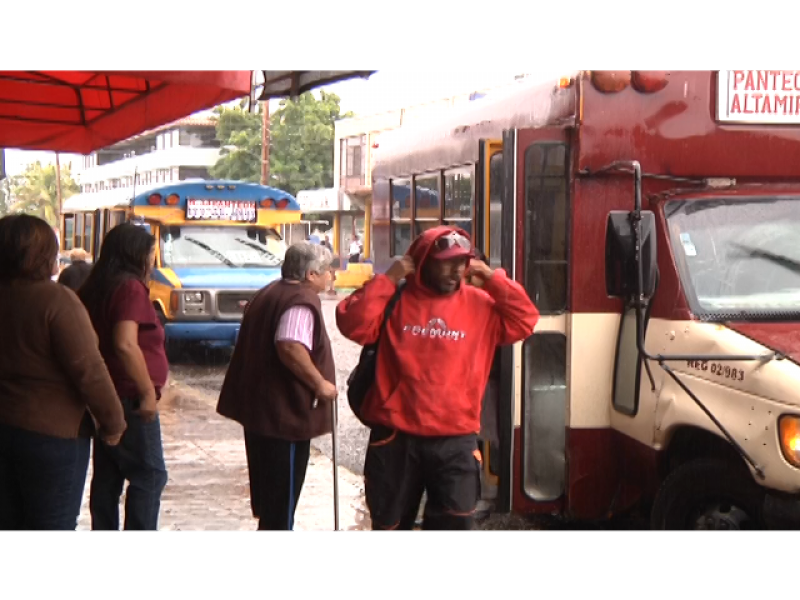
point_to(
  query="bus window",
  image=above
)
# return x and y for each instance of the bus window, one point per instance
(544, 415)
(401, 216)
(495, 209)
(69, 231)
(458, 199)
(546, 226)
(117, 217)
(79, 231)
(88, 233)
(427, 204)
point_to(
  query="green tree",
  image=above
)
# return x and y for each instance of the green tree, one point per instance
(5, 198)
(36, 192)
(239, 133)
(301, 143)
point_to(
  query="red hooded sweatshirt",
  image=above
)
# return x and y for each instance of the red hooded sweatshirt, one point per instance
(436, 352)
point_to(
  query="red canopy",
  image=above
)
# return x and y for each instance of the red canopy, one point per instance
(82, 111)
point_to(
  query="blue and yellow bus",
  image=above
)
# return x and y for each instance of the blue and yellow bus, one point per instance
(217, 243)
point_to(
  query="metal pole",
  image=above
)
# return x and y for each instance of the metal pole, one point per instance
(58, 185)
(265, 143)
(335, 445)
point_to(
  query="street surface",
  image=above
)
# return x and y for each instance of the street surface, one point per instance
(208, 487)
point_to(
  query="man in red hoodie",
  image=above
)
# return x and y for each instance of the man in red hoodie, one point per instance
(432, 367)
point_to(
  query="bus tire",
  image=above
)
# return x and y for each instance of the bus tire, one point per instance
(708, 493)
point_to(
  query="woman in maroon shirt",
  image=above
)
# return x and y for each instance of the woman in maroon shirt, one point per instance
(132, 344)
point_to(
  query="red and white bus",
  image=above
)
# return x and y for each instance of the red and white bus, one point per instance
(654, 218)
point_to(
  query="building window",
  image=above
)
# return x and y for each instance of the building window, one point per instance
(546, 226)
(427, 203)
(198, 137)
(342, 161)
(401, 216)
(185, 173)
(353, 152)
(354, 161)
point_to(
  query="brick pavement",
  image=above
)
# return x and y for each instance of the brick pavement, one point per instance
(208, 487)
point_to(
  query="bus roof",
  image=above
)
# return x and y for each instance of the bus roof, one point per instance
(454, 140)
(204, 189)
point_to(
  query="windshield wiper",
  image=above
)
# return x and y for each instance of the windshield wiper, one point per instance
(263, 251)
(782, 261)
(215, 253)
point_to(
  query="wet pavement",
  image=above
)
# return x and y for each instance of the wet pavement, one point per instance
(205, 370)
(208, 486)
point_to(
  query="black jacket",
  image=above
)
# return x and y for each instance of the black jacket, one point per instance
(75, 274)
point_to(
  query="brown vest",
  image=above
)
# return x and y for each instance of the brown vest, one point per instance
(262, 394)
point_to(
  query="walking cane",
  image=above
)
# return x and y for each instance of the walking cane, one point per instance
(335, 444)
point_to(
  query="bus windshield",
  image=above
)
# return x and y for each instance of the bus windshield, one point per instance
(738, 256)
(231, 247)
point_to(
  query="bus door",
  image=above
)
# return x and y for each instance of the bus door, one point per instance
(488, 236)
(535, 374)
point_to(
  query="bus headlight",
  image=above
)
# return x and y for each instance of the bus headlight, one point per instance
(789, 428)
(189, 303)
(193, 298)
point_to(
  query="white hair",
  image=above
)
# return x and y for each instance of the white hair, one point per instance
(304, 257)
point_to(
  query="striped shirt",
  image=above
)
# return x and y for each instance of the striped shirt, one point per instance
(297, 325)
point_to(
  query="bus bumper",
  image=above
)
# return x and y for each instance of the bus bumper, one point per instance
(211, 333)
(782, 511)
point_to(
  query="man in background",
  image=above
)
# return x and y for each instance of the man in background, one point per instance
(76, 273)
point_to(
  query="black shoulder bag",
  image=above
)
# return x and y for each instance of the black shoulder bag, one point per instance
(363, 376)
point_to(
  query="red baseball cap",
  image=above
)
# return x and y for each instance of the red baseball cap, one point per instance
(451, 245)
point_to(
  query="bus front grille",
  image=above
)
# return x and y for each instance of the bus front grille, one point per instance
(233, 303)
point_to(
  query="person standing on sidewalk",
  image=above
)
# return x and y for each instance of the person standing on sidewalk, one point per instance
(279, 383)
(51, 372)
(132, 343)
(432, 368)
(76, 273)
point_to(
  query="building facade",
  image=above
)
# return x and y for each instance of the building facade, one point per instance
(182, 150)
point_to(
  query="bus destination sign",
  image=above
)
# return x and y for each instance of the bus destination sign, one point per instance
(220, 210)
(759, 97)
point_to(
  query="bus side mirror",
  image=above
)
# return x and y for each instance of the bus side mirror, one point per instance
(622, 263)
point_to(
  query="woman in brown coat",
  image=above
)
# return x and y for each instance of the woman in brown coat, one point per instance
(51, 372)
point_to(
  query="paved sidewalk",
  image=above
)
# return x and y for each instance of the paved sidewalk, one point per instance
(208, 487)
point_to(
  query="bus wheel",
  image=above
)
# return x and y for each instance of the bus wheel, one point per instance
(708, 493)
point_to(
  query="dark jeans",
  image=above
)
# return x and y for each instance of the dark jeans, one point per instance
(277, 470)
(41, 480)
(398, 468)
(139, 459)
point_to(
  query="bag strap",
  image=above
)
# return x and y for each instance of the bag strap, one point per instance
(390, 307)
